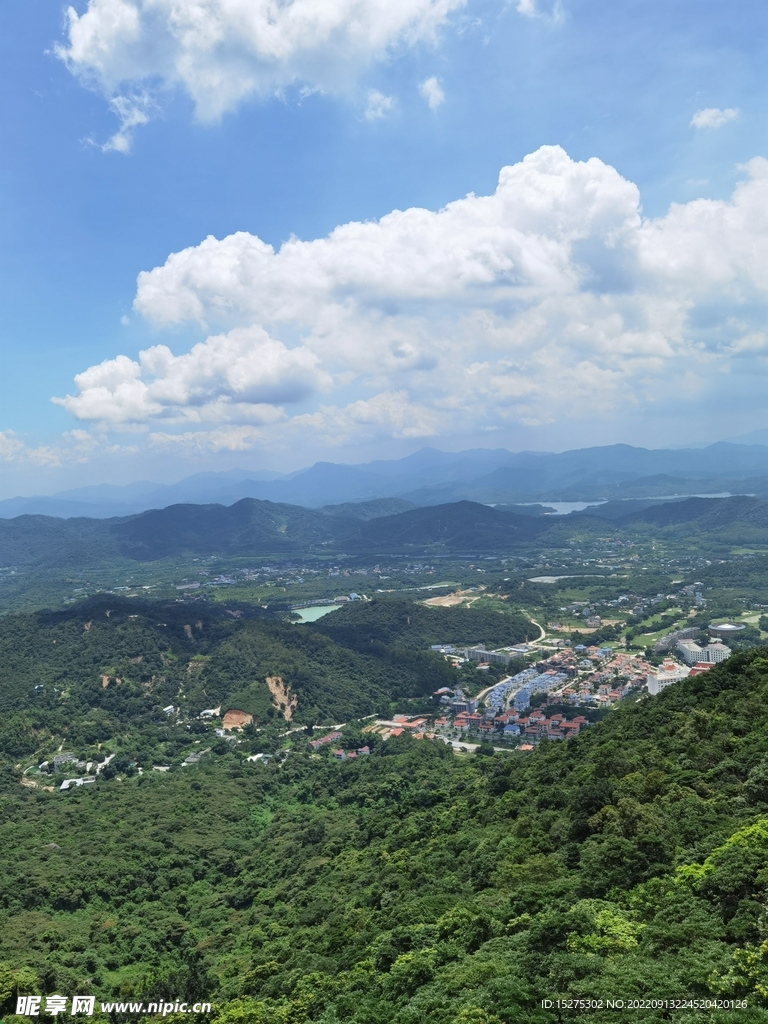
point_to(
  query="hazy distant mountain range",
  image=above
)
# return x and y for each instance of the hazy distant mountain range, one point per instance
(432, 477)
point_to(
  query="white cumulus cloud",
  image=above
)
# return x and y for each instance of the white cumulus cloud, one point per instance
(432, 93)
(551, 298)
(713, 117)
(243, 375)
(221, 52)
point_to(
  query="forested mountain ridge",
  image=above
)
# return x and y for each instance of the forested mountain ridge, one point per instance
(628, 863)
(249, 527)
(257, 528)
(254, 528)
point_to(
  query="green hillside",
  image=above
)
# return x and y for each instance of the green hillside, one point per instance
(415, 626)
(107, 667)
(626, 864)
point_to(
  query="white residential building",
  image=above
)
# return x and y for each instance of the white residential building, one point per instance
(670, 672)
(692, 653)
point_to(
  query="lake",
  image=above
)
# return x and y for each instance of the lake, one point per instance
(315, 612)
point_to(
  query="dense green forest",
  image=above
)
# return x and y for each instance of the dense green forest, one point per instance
(415, 626)
(628, 863)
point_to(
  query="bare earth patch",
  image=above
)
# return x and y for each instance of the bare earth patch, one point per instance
(236, 719)
(451, 600)
(32, 784)
(284, 700)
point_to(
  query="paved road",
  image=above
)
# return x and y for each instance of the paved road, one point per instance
(539, 625)
(458, 744)
(322, 729)
(484, 693)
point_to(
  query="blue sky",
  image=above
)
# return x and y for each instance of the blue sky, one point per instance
(628, 333)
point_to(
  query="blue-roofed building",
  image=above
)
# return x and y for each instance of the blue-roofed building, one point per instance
(522, 698)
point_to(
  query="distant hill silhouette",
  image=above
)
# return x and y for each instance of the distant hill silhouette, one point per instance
(251, 527)
(432, 477)
(708, 513)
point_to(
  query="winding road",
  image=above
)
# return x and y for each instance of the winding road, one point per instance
(483, 693)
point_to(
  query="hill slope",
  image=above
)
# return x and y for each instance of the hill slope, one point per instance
(246, 527)
(461, 526)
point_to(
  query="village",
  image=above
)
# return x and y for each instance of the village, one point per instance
(555, 698)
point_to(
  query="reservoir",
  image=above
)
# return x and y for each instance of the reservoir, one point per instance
(315, 612)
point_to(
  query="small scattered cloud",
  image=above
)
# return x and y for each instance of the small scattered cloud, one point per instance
(83, 440)
(389, 414)
(132, 112)
(713, 117)
(212, 442)
(11, 447)
(73, 446)
(379, 105)
(432, 93)
(531, 9)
